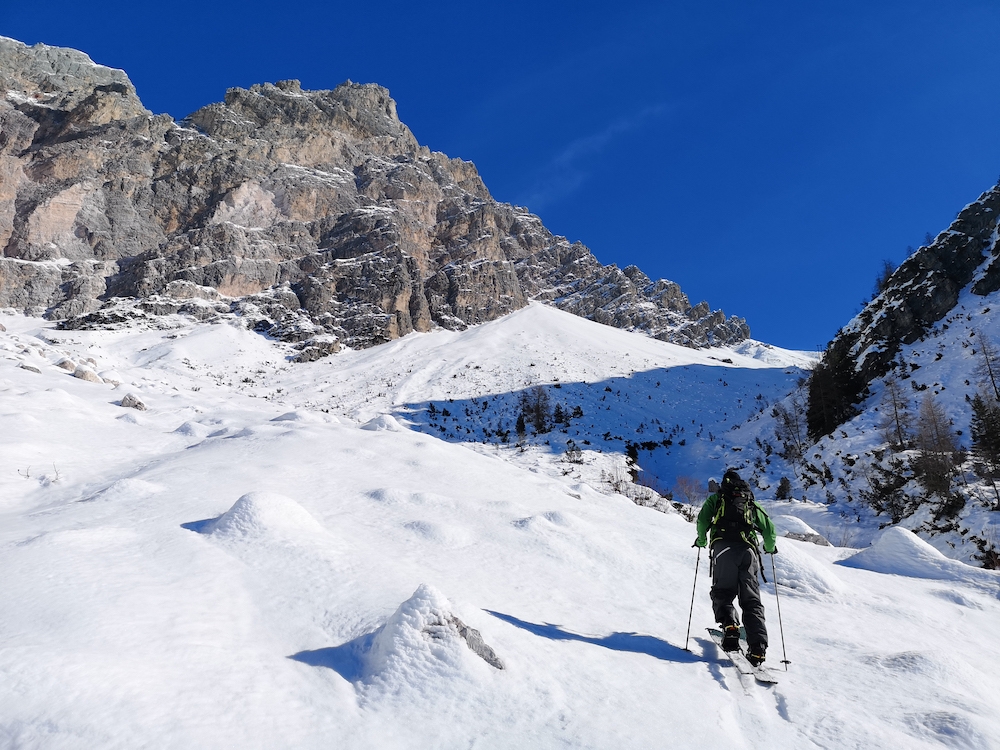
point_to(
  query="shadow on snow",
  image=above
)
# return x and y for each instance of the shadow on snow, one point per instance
(633, 643)
(345, 659)
(672, 420)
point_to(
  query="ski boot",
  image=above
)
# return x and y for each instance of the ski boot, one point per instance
(756, 654)
(731, 638)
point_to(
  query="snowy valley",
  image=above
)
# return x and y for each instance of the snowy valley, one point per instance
(293, 555)
(310, 441)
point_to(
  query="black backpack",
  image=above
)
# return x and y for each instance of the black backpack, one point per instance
(738, 513)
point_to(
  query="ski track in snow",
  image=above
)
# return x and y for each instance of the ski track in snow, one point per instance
(270, 555)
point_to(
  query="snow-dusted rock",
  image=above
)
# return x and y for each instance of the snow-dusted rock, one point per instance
(131, 401)
(29, 368)
(423, 638)
(66, 364)
(85, 373)
(795, 528)
(112, 377)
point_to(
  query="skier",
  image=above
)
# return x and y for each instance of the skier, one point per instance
(734, 518)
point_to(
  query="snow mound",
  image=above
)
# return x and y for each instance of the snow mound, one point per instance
(897, 551)
(802, 573)
(299, 415)
(259, 513)
(445, 535)
(194, 429)
(383, 423)
(423, 640)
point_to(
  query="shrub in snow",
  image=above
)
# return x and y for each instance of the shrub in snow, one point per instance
(132, 401)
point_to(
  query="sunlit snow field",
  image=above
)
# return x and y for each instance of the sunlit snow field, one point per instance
(274, 555)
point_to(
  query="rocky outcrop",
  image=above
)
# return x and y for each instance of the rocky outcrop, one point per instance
(927, 286)
(314, 215)
(921, 292)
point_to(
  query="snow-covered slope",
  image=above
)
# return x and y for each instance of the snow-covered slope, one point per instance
(838, 470)
(269, 556)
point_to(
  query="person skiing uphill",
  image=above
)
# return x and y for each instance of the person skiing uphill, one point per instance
(734, 518)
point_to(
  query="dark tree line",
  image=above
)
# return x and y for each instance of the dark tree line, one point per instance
(835, 388)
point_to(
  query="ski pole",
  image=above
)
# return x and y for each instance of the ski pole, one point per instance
(777, 600)
(697, 564)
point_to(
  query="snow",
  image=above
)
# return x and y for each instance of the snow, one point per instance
(898, 551)
(244, 565)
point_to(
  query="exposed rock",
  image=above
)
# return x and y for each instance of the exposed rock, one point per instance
(85, 373)
(316, 348)
(921, 292)
(817, 539)
(111, 377)
(29, 368)
(66, 364)
(131, 401)
(474, 640)
(306, 213)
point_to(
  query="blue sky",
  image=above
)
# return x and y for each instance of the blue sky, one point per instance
(766, 156)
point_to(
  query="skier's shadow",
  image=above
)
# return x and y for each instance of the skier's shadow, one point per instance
(709, 647)
(629, 642)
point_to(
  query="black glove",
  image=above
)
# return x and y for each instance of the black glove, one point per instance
(774, 551)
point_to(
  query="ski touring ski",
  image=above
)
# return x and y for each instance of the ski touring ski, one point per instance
(739, 659)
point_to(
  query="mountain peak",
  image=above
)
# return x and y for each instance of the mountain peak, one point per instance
(314, 215)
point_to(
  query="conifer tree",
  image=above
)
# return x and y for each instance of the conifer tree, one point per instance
(790, 429)
(936, 445)
(989, 366)
(985, 431)
(896, 421)
(834, 388)
(784, 491)
(536, 409)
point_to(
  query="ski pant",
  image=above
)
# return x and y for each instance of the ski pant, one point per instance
(736, 572)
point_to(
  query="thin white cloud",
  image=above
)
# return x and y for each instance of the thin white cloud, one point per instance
(571, 167)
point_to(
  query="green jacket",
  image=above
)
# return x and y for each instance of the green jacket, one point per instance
(711, 511)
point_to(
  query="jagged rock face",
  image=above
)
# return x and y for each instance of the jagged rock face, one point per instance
(926, 287)
(919, 294)
(311, 213)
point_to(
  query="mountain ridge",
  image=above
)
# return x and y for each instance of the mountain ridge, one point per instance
(315, 215)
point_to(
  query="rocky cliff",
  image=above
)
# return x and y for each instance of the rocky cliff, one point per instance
(314, 215)
(927, 286)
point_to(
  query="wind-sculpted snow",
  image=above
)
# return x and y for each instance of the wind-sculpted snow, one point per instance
(381, 423)
(801, 573)
(260, 513)
(246, 567)
(898, 551)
